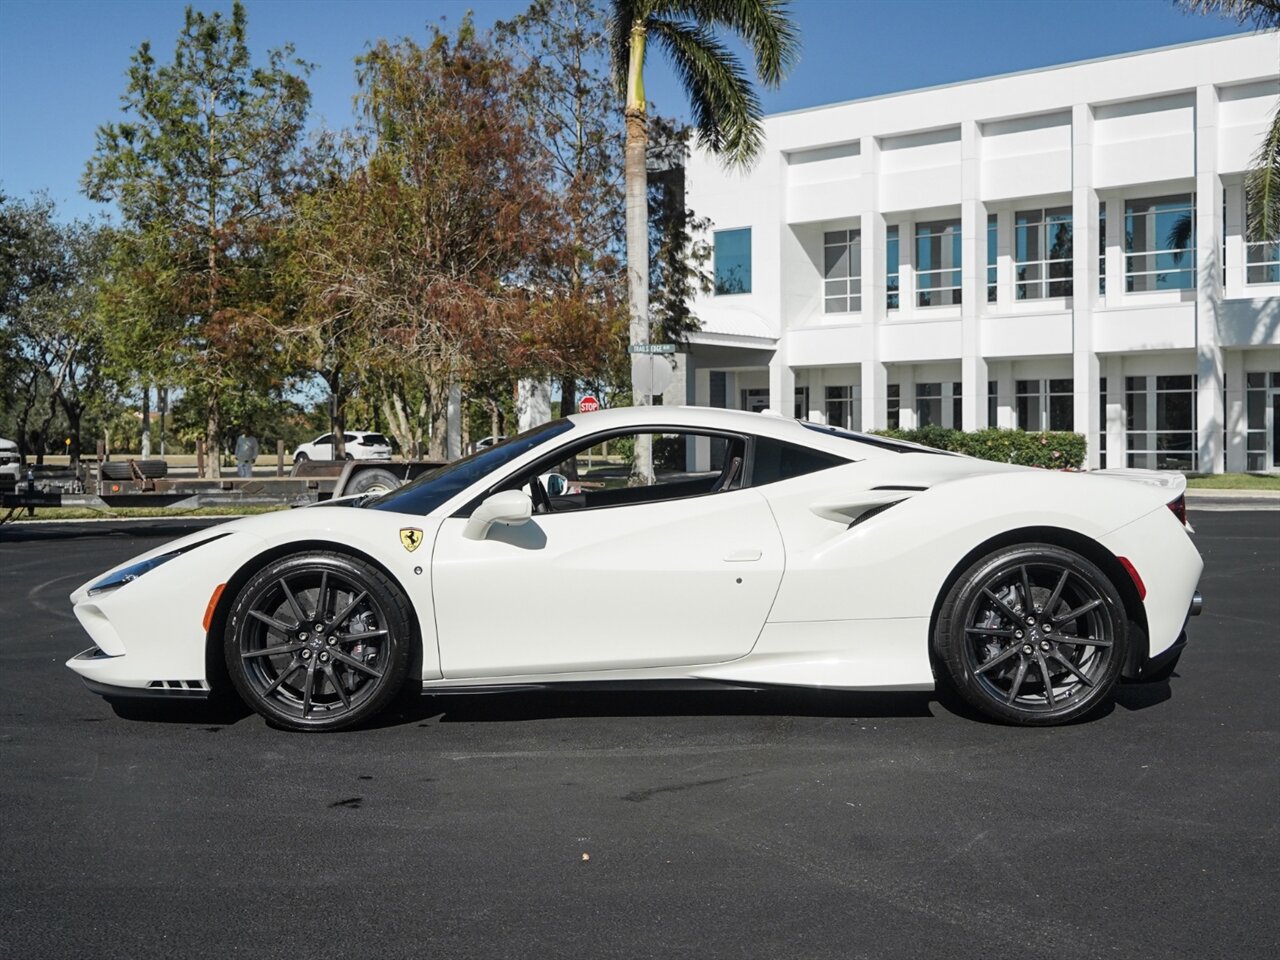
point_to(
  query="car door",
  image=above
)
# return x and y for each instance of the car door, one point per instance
(667, 583)
(323, 447)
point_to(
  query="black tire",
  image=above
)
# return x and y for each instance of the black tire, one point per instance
(347, 456)
(1039, 660)
(322, 673)
(374, 481)
(153, 469)
(116, 471)
(300, 457)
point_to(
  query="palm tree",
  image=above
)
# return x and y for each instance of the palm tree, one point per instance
(1262, 187)
(726, 110)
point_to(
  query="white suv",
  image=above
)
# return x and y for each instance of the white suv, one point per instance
(10, 462)
(361, 445)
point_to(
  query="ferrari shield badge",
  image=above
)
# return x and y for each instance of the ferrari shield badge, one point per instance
(410, 538)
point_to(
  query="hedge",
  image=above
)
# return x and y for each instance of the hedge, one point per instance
(1054, 450)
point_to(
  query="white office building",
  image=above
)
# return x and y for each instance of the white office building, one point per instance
(1058, 249)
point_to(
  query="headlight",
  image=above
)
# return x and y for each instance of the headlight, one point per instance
(130, 573)
(114, 581)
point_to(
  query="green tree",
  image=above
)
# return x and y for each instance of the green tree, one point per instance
(562, 47)
(199, 172)
(52, 330)
(726, 110)
(1262, 186)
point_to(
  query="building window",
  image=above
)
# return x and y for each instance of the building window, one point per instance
(938, 263)
(1257, 399)
(1042, 253)
(1159, 244)
(1261, 260)
(802, 403)
(733, 261)
(991, 258)
(842, 271)
(1102, 249)
(891, 268)
(928, 404)
(1160, 422)
(893, 411)
(755, 399)
(993, 403)
(1102, 418)
(844, 407)
(1045, 405)
(939, 405)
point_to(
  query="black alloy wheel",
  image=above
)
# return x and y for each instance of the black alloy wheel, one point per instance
(318, 641)
(1033, 634)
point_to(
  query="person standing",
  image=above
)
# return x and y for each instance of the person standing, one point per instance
(246, 453)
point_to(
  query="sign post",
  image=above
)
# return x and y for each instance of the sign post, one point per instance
(649, 373)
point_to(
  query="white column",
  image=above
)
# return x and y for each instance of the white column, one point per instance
(906, 269)
(453, 420)
(817, 412)
(973, 279)
(873, 375)
(1005, 411)
(1115, 254)
(1117, 441)
(1084, 286)
(1004, 260)
(782, 382)
(907, 397)
(1237, 412)
(1235, 234)
(1209, 413)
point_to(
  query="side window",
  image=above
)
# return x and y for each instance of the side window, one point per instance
(774, 460)
(327, 438)
(600, 474)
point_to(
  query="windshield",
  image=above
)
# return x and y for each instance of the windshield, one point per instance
(437, 486)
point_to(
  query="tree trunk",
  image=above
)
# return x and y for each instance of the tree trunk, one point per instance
(146, 421)
(637, 179)
(438, 411)
(568, 405)
(213, 439)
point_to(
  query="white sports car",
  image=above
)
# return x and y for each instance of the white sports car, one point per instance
(764, 552)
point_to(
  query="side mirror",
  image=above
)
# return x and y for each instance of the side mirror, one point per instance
(556, 484)
(510, 507)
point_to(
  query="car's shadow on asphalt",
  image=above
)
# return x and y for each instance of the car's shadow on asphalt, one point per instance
(552, 704)
(560, 704)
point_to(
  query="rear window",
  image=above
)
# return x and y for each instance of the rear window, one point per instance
(374, 440)
(871, 440)
(775, 460)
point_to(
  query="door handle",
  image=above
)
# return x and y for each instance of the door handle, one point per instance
(742, 556)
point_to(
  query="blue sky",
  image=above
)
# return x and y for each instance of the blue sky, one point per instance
(63, 62)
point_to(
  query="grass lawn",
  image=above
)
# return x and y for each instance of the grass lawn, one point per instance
(1234, 481)
(129, 513)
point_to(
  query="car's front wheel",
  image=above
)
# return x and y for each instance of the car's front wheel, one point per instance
(1033, 634)
(318, 641)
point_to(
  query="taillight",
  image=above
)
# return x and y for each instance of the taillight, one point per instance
(1132, 571)
(1179, 508)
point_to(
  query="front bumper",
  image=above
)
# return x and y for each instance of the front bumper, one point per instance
(111, 676)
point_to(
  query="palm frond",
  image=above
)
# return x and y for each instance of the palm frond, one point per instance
(1262, 186)
(726, 111)
(764, 25)
(1262, 13)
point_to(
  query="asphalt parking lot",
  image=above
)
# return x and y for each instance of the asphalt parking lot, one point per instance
(772, 825)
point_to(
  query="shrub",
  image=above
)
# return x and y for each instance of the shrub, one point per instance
(1053, 450)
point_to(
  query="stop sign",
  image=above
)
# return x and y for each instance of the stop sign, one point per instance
(588, 404)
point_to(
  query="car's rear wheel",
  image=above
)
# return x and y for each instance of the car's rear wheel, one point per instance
(318, 641)
(1033, 634)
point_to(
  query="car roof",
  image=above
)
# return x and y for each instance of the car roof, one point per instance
(735, 421)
